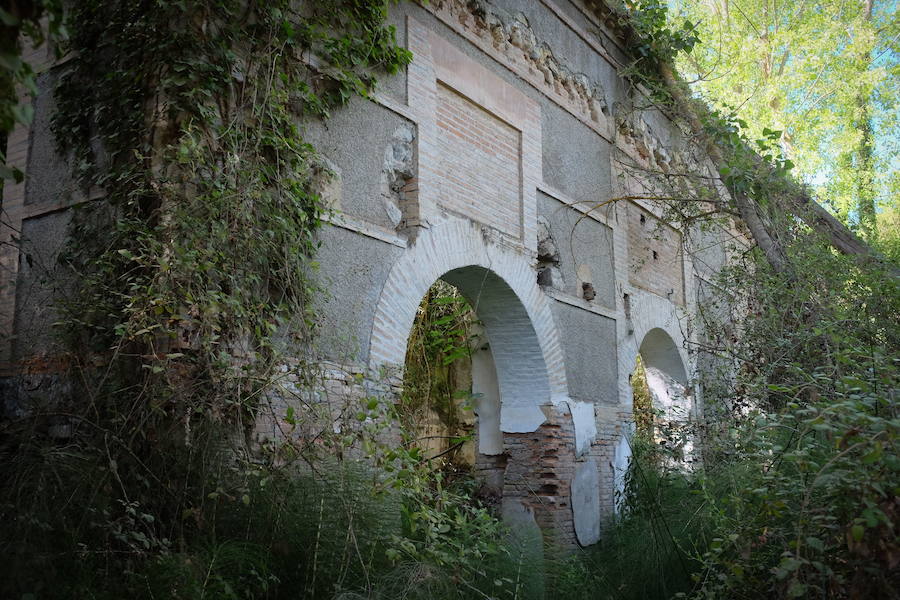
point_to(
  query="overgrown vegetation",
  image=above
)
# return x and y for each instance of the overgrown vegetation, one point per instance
(799, 486)
(195, 276)
(642, 401)
(824, 74)
(21, 21)
(812, 432)
(437, 379)
(186, 282)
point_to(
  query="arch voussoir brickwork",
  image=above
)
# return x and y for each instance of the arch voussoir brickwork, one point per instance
(500, 283)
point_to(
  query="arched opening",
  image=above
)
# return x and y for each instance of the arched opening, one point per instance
(532, 479)
(451, 398)
(474, 370)
(662, 399)
(500, 284)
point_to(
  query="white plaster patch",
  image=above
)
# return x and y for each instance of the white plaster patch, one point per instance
(526, 541)
(621, 460)
(521, 418)
(487, 406)
(583, 273)
(585, 423)
(586, 502)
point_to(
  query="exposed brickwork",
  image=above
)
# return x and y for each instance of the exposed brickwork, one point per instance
(613, 423)
(468, 135)
(654, 248)
(478, 156)
(539, 472)
(444, 83)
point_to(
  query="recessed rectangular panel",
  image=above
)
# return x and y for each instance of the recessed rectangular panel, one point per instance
(479, 164)
(654, 250)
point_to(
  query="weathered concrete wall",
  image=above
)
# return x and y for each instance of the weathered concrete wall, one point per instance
(499, 161)
(353, 269)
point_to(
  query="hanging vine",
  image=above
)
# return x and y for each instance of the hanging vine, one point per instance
(193, 272)
(201, 252)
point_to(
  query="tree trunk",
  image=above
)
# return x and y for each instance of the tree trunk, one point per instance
(746, 207)
(797, 201)
(865, 184)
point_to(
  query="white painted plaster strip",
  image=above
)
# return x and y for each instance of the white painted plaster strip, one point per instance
(585, 423)
(521, 419)
(367, 229)
(580, 303)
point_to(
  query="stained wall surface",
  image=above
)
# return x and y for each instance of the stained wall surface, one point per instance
(508, 147)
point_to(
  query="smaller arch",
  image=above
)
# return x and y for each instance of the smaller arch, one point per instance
(655, 328)
(666, 376)
(659, 352)
(667, 381)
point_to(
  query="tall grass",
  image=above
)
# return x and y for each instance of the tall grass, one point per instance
(649, 551)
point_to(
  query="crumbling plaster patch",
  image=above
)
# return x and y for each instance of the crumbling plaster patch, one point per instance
(526, 539)
(399, 168)
(585, 422)
(586, 502)
(549, 273)
(620, 462)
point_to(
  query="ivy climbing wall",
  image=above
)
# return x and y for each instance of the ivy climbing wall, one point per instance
(505, 158)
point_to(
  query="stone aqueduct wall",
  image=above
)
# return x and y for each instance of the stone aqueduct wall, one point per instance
(490, 163)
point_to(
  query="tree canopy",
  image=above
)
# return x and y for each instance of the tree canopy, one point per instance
(822, 72)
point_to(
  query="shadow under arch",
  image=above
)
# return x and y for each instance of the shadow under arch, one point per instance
(501, 286)
(520, 368)
(659, 352)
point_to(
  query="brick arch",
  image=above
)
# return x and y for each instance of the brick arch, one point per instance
(666, 375)
(651, 313)
(501, 285)
(660, 342)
